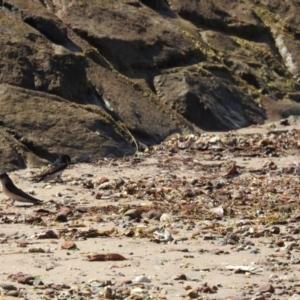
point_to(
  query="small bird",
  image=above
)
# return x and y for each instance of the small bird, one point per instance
(10, 190)
(55, 170)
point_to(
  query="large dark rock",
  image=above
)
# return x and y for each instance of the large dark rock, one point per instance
(36, 125)
(90, 77)
(212, 103)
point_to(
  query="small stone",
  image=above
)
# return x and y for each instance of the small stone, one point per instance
(265, 288)
(165, 218)
(142, 278)
(61, 218)
(68, 245)
(106, 186)
(192, 293)
(150, 184)
(65, 210)
(37, 281)
(8, 287)
(275, 230)
(280, 243)
(183, 145)
(133, 213)
(12, 293)
(49, 234)
(260, 297)
(85, 293)
(102, 180)
(36, 250)
(26, 279)
(187, 287)
(153, 214)
(124, 282)
(137, 290)
(108, 293)
(179, 277)
(284, 122)
(22, 243)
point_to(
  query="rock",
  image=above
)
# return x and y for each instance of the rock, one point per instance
(142, 278)
(179, 277)
(133, 213)
(245, 24)
(8, 287)
(187, 287)
(61, 218)
(12, 293)
(266, 288)
(37, 281)
(68, 245)
(26, 279)
(275, 230)
(108, 293)
(49, 234)
(65, 210)
(192, 96)
(165, 218)
(284, 122)
(280, 243)
(102, 180)
(193, 294)
(124, 282)
(24, 138)
(260, 297)
(153, 214)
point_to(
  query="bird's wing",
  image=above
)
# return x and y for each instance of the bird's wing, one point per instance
(58, 162)
(52, 169)
(12, 188)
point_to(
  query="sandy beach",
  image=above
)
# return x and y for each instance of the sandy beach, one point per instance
(197, 217)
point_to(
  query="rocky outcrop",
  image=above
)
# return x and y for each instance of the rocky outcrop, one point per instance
(36, 125)
(210, 102)
(95, 78)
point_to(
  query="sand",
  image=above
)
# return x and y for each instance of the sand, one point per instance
(197, 259)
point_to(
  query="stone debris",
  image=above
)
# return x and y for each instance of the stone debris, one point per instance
(218, 214)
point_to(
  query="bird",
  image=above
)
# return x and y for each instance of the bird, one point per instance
(10, 190)
(55, 170)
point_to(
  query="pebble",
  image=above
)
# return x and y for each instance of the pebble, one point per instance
(68, 245)
(12, 293)
(8, 287)
(179, 277)
(142, 278)
(193, 293)
(165, 218)
(137, 290)
(264, 288)
(187, 287)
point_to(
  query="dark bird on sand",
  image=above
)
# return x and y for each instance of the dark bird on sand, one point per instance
(10, 190)
(55, 170)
